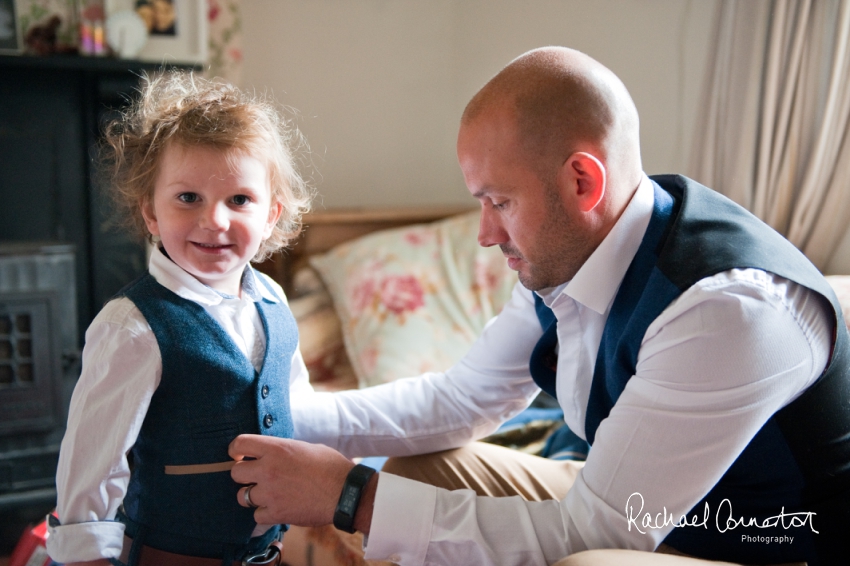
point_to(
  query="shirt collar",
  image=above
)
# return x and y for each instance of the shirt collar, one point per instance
(596, 283)
(182, 283)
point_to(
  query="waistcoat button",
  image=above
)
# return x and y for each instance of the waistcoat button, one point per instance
(268, 420)
(265, 391)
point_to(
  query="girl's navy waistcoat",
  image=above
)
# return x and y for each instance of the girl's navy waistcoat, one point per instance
(209, 393)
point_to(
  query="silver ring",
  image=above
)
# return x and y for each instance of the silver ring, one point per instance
(247, 497)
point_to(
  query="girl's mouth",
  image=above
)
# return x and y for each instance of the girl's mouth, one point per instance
(211, 247)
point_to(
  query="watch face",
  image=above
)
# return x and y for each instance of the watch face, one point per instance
(348, 500)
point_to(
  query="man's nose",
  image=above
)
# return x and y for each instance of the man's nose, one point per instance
(490, 231)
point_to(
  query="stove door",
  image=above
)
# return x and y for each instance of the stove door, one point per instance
(30, 368)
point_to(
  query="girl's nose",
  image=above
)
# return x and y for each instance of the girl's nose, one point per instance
(215, 217)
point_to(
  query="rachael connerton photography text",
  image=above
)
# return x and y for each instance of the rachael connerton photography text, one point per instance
(724, 519)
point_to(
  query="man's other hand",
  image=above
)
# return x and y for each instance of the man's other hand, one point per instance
(295, 482)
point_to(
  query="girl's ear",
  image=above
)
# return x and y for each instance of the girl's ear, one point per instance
(149, 214)
(275, 210)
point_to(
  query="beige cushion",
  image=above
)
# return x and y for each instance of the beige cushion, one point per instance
(320, 334)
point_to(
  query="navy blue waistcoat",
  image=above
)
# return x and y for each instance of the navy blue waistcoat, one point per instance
(209, 393)
(800, 460)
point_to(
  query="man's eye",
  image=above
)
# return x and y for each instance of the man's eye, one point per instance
(500, 205)
(188, 197)
(240, 200)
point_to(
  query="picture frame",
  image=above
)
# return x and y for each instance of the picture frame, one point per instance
(186, 42)
(10, 36)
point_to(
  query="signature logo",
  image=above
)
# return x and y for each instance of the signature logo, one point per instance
(724, 520)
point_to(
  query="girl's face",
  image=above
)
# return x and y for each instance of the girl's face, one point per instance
(211, 209)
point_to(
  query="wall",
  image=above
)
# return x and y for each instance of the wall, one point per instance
(380, 84)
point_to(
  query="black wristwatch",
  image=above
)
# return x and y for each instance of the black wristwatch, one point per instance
(349, 499)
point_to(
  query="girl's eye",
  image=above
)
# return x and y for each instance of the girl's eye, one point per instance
(187, 197)
(240, 200)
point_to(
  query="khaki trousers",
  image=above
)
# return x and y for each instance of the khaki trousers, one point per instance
(500, 472)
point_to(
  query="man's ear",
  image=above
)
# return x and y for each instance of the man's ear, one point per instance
(584, 178)
(149, 214)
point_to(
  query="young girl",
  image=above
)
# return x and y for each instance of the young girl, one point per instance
(197, 351)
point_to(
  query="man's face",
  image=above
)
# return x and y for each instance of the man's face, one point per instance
(521, 213)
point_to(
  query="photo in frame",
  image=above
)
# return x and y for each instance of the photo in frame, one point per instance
(10, 40)
(177, 29)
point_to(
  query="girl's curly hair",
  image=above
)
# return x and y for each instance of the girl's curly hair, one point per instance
(179, 107)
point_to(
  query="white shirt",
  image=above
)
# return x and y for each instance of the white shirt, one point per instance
(712, 368)
(121, 370)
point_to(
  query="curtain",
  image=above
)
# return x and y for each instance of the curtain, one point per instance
(773, 135)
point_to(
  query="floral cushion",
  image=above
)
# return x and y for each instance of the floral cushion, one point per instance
(841, 285)
(413, 299)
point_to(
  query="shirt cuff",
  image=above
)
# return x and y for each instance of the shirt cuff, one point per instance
(80, 542)
(401, 520)
(316, 418)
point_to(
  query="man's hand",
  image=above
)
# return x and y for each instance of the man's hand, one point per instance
(295, 482)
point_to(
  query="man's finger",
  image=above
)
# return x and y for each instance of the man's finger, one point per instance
(240, 497)
(246, 445)
(243, 473)
(262, 516)
(243, 500)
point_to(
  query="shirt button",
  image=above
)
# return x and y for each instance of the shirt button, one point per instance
(265, 391)
(268, 420)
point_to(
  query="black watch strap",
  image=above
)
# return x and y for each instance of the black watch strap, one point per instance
(349, 499)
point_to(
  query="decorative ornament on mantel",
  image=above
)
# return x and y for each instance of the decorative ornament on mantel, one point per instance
(41, 39)
(225, 32)
(92, 23)
(126, 33)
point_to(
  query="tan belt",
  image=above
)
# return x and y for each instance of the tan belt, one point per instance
(199, 468)
(155, 557)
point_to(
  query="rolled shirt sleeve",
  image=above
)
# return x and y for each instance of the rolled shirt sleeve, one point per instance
(121, 370)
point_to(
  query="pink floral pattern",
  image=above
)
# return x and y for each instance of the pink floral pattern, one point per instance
(363, 295)
(225, 40)
(417, 237)
(214, 10)
(401, 293)
(382, 296)
(413, 299)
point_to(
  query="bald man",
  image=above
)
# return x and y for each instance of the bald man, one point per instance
(702, 356)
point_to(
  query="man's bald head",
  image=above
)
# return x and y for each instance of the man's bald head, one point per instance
(564, 101)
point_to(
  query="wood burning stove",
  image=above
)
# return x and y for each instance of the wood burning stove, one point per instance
(52, 110)
(39, 363)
